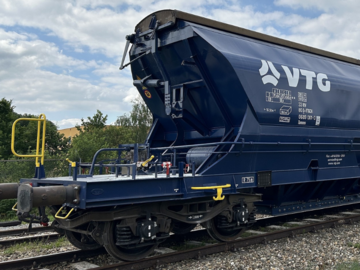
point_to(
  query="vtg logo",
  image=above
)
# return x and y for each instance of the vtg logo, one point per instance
(293, 78)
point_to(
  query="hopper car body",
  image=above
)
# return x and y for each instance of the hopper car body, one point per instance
(242, 121)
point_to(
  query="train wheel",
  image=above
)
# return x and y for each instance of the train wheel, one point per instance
(221, 234)
(81, 241)
(132, 253)
(179, 227)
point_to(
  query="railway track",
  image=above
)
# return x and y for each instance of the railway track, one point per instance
(200, 252)
(48, 237)
(276, 232)
(24, 231)
(39, 261)
(273, 220)
(10, 223)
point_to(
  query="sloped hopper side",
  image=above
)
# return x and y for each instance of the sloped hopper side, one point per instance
(206, 96)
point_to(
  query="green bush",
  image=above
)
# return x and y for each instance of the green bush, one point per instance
(6, 213)
(11, 171)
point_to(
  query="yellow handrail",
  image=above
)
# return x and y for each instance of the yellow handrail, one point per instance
(73, 164)
(13, 208)
(147, 161)
(42, 118)
(219, 191)
(68, 214)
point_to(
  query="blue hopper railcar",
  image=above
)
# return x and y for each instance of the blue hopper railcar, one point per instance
(242, 121)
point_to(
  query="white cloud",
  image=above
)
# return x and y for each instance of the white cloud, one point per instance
(68, 123)
(47, 76)
(20, 53)
(348, 6)
(34, 89)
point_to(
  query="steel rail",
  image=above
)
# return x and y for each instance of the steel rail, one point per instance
(36, 238)
(183, 255)
(200, 252)
(25, 231)
(261, 222)
(38, 261)
(10, 223)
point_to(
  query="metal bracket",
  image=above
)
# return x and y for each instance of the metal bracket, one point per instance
(177, 102)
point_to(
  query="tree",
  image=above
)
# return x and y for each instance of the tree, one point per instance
(7, 116)
(98, 121)
(138, 121)
(26, 137)
(85, 145)
(94, 135)
(26, 133)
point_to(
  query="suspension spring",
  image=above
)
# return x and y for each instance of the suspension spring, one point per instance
(123, 235)
(222, 222)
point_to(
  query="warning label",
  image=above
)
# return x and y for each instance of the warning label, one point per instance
(335, 160)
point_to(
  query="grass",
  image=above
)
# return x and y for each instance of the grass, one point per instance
(246, 234)
(263, 229)
(355, 245)
(35, 246)
(7, 214)
(348, 266)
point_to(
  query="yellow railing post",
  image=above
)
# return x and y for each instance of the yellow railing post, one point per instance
(42, 118)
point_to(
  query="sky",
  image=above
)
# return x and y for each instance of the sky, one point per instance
(62, 58)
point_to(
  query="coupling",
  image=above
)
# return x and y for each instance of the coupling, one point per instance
(29, 197)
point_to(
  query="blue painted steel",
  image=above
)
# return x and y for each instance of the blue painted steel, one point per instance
(40, 172)
(260, 107)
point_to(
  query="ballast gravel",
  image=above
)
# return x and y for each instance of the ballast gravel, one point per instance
(325, 249)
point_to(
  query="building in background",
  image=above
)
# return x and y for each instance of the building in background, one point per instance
(70, 132)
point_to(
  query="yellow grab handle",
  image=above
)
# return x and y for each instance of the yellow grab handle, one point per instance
(147, 161)
(61, 208)
(219, 191)
(73, 164)
(13, 208)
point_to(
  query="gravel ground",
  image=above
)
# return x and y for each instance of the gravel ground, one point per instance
(325, 249)
(22, 226)
(322, 250)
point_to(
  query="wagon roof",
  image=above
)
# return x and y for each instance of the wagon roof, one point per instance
(168, 15)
